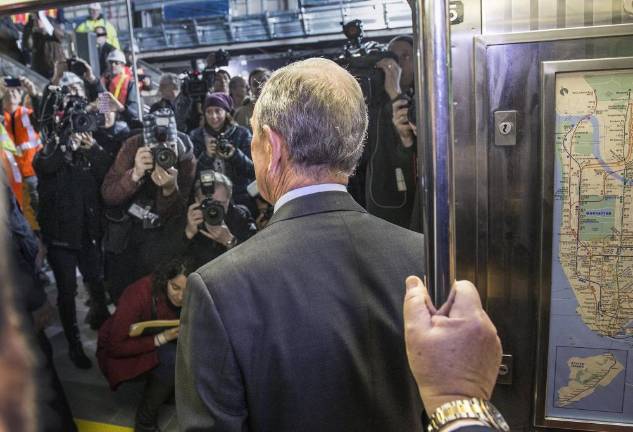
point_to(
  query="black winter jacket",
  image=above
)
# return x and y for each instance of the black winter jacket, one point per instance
(239, 168)
(70, 203)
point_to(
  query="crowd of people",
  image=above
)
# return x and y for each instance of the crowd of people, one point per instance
(136, 206)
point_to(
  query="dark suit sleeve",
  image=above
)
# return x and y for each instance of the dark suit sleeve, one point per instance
(210, 393)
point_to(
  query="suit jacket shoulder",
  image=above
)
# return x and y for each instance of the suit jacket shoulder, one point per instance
(311, 307)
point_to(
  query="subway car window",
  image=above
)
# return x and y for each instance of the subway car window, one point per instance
(231, 215)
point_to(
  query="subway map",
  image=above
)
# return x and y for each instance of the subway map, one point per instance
(591, 317)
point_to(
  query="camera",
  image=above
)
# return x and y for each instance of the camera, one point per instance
(409, 96)
(76, 67)
(218, 58)
(161, 136)
(77, 119)
(360, 58)
(12, 82)
(197, 84)
(212, 210)
(223, 144)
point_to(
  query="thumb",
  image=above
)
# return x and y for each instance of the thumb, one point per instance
(416, 304)
(466, 302)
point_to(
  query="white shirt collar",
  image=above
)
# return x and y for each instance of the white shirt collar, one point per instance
(308, 190)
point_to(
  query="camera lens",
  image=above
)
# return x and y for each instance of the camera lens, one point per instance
(165, 157)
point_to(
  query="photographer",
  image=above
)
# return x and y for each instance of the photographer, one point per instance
(80, 80)
(221, 82)
(225, 147)
(148, 184)
(214, 223)
(70, 168)
(112, 134)
(172, 97)
(256, 80)
(151, 356)
(239, 91)
(391, 162)
(43, 37)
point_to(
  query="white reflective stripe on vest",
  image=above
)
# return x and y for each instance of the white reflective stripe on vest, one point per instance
(29, 145)
(26, 124)
(17, 177)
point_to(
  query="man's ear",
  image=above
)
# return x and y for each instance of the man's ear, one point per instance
(276, 148)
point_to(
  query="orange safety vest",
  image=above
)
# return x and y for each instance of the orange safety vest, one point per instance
(27, 141)
(11, 166)
(119, 85)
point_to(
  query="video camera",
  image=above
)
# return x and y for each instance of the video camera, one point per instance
(160, 134)
(196, 82)
(79, 119)
(360, 58)
(212, 210)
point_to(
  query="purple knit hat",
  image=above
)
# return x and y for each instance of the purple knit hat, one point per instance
(220, 100)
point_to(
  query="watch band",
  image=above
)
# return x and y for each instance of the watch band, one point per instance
(474, 409)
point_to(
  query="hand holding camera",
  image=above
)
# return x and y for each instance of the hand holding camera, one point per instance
(401, 122)
(81, 140)
(393, 71)
(165, 179)
(29, 86)
(211, 146)
(219, 233)
(143, 162)
(195, 218)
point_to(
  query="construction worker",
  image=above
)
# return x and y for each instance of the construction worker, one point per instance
(96, 19)
(10, 166)
(119, 81)
(20, 128)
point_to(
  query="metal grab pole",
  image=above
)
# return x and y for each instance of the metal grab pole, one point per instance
(130, 24)
(435, 142)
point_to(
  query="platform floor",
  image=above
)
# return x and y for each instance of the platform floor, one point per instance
(95, 407)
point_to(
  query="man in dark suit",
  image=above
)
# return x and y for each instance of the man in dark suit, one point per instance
(300, 328)
(453, 380)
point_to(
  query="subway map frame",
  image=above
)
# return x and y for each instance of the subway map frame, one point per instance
(585, 351)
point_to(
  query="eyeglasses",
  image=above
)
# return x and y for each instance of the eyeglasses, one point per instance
(101, 35)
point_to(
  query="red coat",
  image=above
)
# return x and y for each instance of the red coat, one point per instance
(120, 356)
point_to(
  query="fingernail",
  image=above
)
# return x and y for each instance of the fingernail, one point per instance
(411, 282)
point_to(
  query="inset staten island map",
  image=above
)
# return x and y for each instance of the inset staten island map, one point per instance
(591, 316)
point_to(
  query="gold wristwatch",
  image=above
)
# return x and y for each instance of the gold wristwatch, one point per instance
(468, 409)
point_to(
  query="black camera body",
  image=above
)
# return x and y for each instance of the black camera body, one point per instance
(160, 134)
(76, 67)
(360, 58)
(212, 210)
(223, 143)
(197, 84)
(77, 119)
(409, 96)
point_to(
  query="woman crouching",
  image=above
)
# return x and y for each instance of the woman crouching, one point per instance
(149, 356)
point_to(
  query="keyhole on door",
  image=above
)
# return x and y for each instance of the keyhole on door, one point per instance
(505, 128)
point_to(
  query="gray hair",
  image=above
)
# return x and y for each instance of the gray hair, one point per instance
(169, 79)
(319, 110)
(221, 179)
